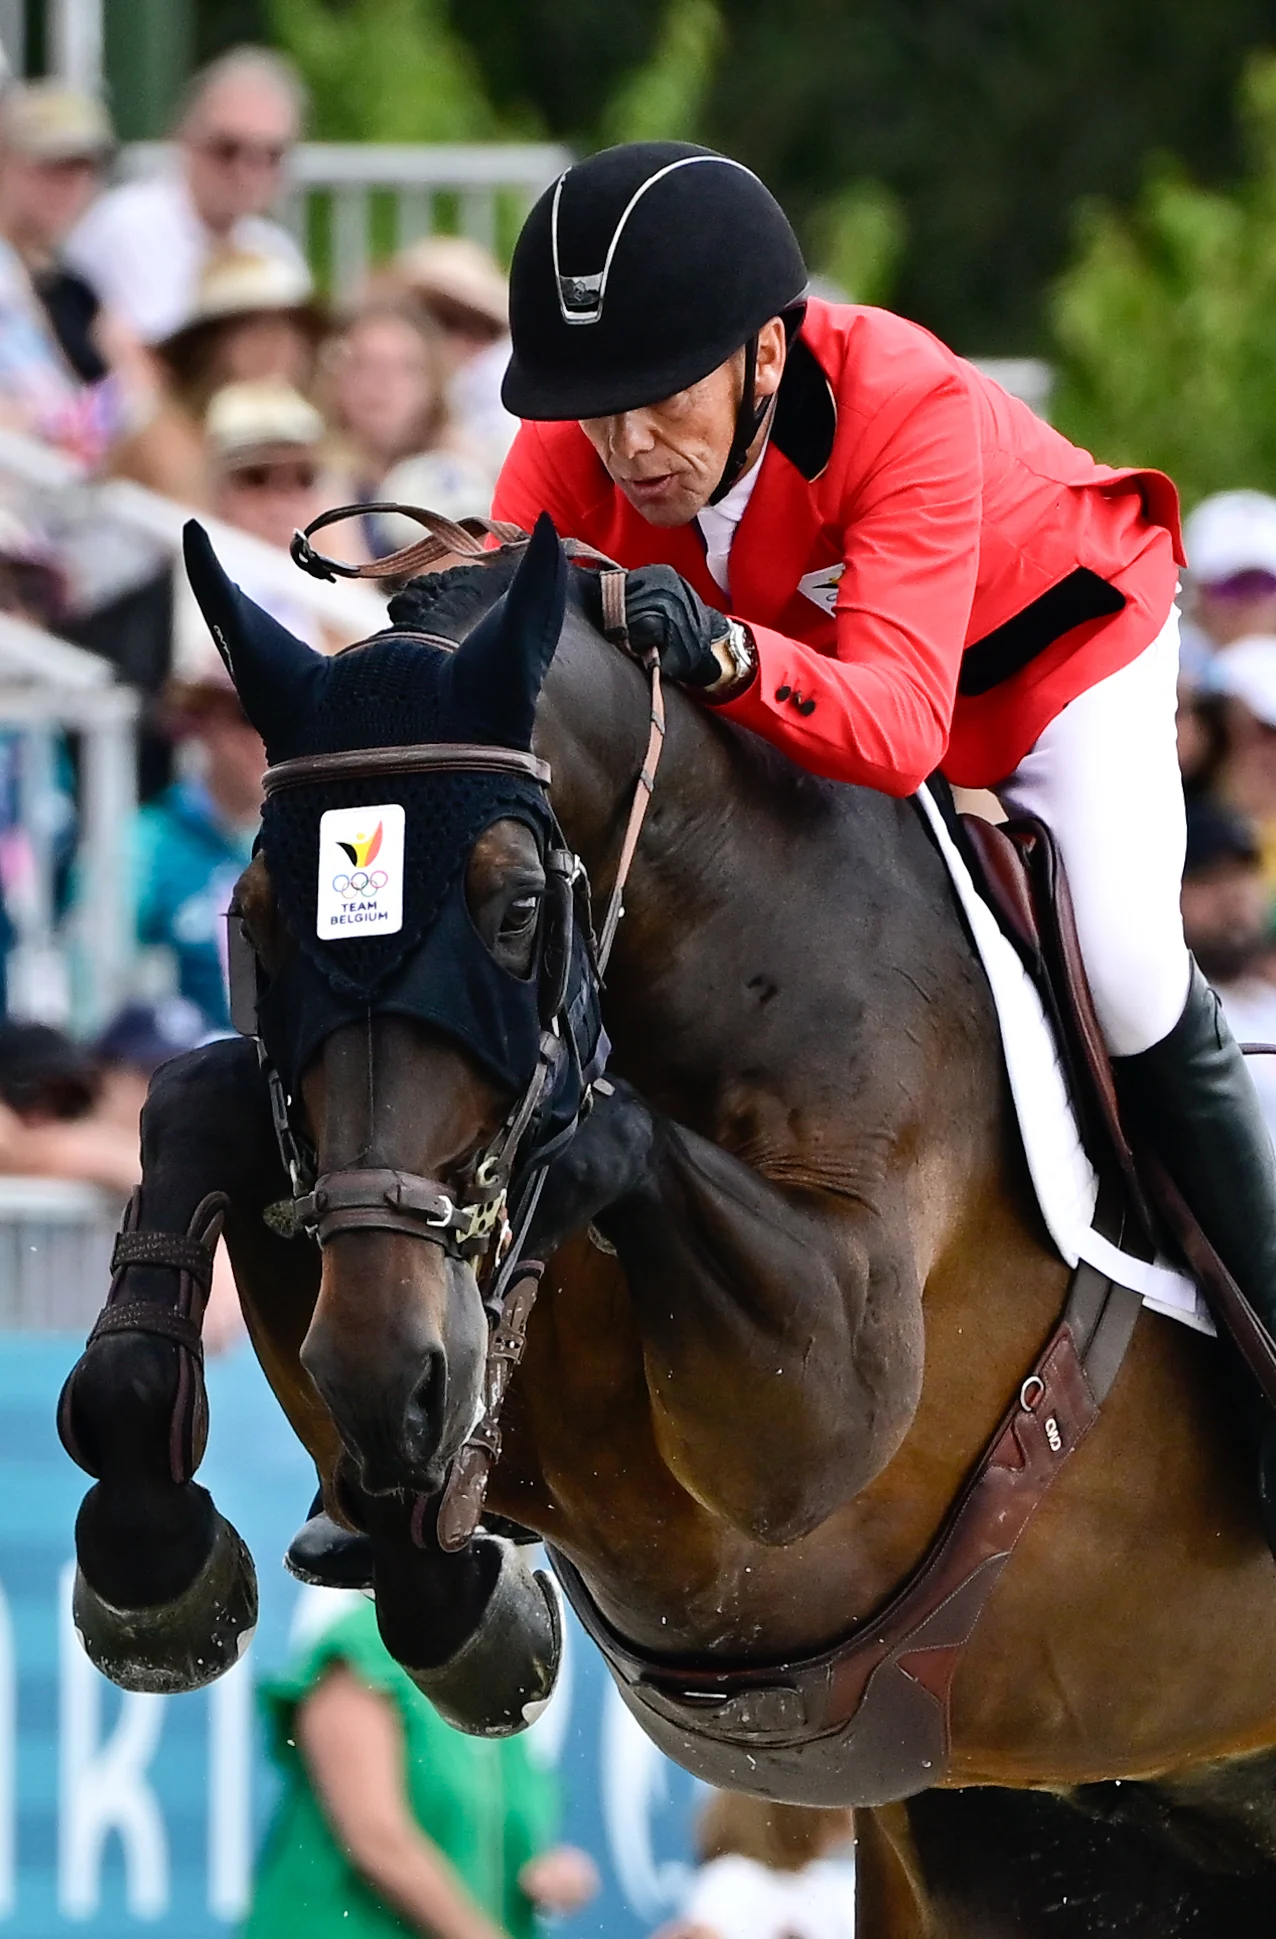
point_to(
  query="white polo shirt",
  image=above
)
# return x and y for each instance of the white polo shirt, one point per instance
(143, 246)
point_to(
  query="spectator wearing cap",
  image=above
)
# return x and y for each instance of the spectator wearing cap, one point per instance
(1244, 675)
(144, 246)
(255, 321)
(1228, 929)
(69, 374)
(266, 461)
(195, 839)
(1230, 541)
(463, 290)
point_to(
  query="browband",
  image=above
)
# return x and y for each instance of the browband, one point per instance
(368, 763)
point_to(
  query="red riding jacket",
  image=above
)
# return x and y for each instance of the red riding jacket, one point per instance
(930, 572)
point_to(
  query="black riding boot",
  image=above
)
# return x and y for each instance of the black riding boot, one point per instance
(1193, 1100)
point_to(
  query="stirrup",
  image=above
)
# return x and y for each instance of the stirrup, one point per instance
(327, 1556)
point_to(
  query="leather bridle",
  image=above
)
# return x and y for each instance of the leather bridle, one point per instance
(359, 1198)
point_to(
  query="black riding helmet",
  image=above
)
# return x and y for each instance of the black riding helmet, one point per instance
(641, 270)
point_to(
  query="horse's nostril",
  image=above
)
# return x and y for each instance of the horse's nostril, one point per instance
(423, 1416)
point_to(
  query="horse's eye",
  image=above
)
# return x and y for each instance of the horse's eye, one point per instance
(520, 915)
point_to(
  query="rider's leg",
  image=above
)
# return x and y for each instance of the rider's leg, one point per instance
(1104, 777)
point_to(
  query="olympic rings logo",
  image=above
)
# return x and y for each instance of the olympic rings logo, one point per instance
(360, 882)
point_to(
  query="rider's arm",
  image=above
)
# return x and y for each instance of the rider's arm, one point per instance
(883, 704)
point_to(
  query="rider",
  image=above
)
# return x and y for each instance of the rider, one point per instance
(845, 537)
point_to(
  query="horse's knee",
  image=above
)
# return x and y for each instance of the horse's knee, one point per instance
(206, 1125)
(117, 1408)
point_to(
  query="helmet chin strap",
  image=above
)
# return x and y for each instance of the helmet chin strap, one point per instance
(750, 416)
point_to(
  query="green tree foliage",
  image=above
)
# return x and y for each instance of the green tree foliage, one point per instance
(1165, 320)
(856, 239)
(385, 70)
(986, 119)
(664, 99)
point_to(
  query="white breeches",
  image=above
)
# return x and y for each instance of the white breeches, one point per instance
(1104, 778)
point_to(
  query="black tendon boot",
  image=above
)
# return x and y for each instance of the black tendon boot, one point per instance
(1192, 1099)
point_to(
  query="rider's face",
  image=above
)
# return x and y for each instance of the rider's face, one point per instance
(667, 458)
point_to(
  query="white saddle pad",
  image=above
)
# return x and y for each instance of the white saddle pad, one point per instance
(1062, 1175)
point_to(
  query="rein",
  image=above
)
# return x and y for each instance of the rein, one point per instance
(480, 1232)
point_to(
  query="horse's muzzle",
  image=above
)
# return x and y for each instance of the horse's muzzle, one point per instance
(396, 1350)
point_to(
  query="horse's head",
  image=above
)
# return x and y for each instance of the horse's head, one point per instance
(410, 910)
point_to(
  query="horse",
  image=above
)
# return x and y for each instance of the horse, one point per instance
(794, 1271)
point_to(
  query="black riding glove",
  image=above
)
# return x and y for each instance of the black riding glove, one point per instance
(664, 612)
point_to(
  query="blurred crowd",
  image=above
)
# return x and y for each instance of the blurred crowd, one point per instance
(167, 330)
(1227, 752)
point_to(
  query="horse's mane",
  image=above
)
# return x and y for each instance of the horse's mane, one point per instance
(450, 602)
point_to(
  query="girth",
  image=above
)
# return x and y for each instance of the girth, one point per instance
(870, 1713)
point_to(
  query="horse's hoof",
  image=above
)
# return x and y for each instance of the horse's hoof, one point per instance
(328, 1556)
(501, 1678)
(179, 1645)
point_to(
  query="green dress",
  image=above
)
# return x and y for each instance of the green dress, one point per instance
(482, 1801)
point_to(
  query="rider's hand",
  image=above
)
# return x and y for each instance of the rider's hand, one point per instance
(664, 612)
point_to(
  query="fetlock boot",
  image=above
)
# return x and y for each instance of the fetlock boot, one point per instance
(1193, 1102)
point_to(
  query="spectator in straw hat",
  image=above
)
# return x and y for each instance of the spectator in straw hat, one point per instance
(68, 374)
(255, 319)
(462, 288)
(145, 245)
(265, 456)
(265, 446)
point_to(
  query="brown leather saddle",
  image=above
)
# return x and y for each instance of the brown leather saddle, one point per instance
(866, 1721)
(1017, 867)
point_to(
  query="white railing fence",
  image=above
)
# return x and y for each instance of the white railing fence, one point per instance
(55, 1254)
(112, 536)
(350, 204)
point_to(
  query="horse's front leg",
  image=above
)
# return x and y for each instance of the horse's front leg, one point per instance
(781, 1328)
(477, 1629)
(165, 1595)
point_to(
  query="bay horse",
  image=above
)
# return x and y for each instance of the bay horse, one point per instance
(795, 1272)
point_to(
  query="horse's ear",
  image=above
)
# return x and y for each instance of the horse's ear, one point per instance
(497, 671)
(276, 675)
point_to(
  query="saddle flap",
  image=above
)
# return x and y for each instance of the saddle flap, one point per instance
(1018, 869)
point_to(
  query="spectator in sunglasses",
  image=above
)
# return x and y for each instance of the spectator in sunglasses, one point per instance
(266, 459)
(144, 245)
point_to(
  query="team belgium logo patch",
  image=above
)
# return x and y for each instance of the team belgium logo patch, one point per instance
(360, 872)
(821, 586)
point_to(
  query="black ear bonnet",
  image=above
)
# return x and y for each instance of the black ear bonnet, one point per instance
(395, 690)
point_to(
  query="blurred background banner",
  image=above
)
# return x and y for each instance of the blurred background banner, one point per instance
(124, 1814)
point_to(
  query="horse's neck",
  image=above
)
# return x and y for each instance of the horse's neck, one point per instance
(749, 877)
(791, 986)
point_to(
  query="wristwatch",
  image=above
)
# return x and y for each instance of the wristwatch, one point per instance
(737, 655)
